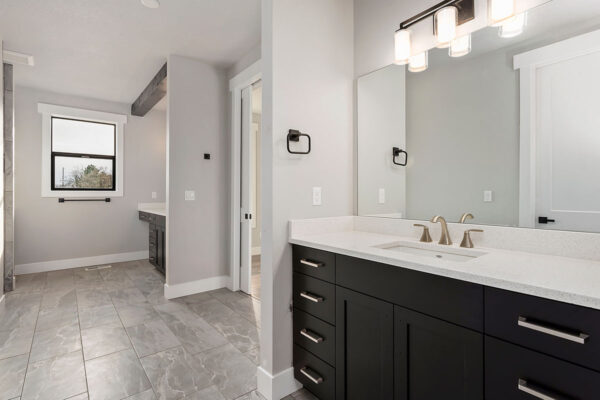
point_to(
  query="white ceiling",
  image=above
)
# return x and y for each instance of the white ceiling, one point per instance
(110, 49)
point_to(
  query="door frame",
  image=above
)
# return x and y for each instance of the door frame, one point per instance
(246, 78)
(528, 63)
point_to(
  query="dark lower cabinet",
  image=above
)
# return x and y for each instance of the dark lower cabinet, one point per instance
(435, 359)
(512, 372)
(156, 240)
(364, 347)
(379, 332)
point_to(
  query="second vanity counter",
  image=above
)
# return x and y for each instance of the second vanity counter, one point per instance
(569, 280)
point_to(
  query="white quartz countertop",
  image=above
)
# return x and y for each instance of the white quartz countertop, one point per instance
(153, 208)
(569, 280)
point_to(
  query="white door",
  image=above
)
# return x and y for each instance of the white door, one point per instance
(568, 144)
(246, 198)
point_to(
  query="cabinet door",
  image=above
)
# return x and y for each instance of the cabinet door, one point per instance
(364, 347)
(435, 359)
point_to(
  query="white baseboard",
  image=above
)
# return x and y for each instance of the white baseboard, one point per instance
(1, 299)
(276, 387)
(256, 251)
(202, 285)
(55, 265)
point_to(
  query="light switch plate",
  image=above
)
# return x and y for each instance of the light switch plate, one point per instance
(381, 196)
(153, 195)
(190, 195)
(488, 196)
(316, 196)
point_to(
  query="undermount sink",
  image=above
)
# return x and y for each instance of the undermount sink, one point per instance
(432, 251)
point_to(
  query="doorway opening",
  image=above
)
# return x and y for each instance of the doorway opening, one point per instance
(246, 122)
(255, 200)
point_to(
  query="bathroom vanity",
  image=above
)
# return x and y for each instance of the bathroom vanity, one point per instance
(374, 322)
(156, 217)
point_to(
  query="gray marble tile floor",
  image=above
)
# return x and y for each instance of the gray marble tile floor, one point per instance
(111, 334)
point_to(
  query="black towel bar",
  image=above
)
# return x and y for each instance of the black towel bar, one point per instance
(63, 200)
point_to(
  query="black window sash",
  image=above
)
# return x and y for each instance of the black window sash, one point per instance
(54, 154)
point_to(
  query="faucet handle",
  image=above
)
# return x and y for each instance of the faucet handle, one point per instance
(425, 237)
(467, 242)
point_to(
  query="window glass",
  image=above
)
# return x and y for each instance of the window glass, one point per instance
(83, 173)
(73, 136)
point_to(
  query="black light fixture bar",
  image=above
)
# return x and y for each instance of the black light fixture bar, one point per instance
(466, 12)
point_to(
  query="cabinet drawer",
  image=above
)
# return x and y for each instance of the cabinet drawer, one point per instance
(317, 376)
(317, 263)
(314, 335)
(315, 296)
(452, 300)
(512, 372)
(143, 216)
(559, 329)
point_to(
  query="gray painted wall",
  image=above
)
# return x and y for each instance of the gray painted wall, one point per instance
(197, 230)
(307, 85)
(2, 193)
(46, 230)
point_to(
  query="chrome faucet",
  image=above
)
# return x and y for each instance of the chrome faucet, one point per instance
(465, 217)
(445, 238)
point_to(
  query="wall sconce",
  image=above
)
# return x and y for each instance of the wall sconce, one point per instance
(418, 62)
(513, 26)
(460, 46)
(447, 15)
(402, 47)
(499, 10)
(444, 25)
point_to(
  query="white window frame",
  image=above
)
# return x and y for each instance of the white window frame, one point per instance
(48, 111)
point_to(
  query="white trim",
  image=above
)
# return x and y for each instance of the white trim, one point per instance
(50, 110)
(244, 79)
(276, 387)
(256, 251)
(55, 265)
(2, 298)
(528, 63)
(194, 287)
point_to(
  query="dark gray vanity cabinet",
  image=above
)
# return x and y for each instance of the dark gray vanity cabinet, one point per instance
(365, 330)
(156, 239)
(434, 357)
(364, 346)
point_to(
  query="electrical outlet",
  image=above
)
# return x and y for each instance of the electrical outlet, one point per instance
(316, 196)
(154, 195)
(190, 195)
(381, 196)
(488, 196)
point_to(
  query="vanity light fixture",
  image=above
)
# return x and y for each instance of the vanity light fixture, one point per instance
(402, 46)
(499, 10)
(513, 26)
(418, 62)
(461, 46)
(444, 22)
(447, 15)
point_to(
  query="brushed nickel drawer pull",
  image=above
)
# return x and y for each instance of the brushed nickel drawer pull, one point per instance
(316, 339)
(537, 392)
(315, 379)
(580, 338)
(311, 297)
(311, 263)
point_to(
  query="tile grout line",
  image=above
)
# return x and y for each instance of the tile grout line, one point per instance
(87, 386)
(33, 338)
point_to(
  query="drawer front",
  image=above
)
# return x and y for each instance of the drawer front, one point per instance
(451, 300)
(512, 372)
(317, 376)
(562, 330)
(144, 216)
(317, 263)
(315, 297)
(314, 335)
